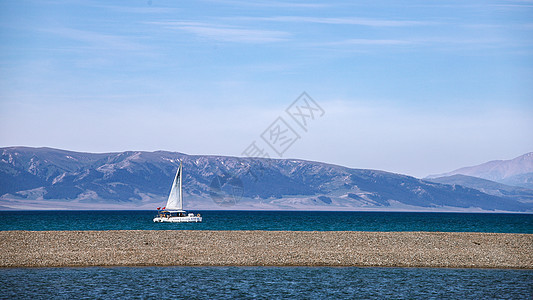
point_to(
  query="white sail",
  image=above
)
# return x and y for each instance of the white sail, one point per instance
(173, 212)
(175, 200)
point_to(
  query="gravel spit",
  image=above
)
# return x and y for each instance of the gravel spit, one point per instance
(265, 248)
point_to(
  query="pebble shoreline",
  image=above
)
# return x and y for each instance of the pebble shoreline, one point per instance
(265, 248)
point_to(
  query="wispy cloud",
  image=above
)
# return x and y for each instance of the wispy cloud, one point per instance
(227, 33)
(98, 40)
(436, 43)
(371, 42)
(341, 21)
(279, 4)
(527, 26)
(138, 9)
(520, 6)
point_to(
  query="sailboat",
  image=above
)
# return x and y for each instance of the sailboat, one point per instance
(173, 212)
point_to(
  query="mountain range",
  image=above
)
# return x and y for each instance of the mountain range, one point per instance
(488, 187)
(46, 178)
(516, 172)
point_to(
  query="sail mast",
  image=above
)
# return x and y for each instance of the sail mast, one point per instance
(180, 203)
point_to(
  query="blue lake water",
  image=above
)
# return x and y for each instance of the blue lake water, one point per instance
(270, 220)
(264, 283)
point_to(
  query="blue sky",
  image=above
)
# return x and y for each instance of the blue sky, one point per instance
(415, 87)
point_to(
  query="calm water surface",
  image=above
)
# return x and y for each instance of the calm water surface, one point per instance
(264, 283)
(269, 220)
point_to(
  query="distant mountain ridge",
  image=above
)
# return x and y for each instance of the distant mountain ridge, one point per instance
(47, 178)
(517, 171)
(488, 187)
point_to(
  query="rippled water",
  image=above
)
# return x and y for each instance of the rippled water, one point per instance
(268, 220)
(265, 282)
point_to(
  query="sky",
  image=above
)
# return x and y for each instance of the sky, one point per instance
(412, 87)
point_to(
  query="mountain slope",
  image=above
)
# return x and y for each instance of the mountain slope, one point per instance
(517, 171)
(488, 187)
(51, 178)
(524, 180)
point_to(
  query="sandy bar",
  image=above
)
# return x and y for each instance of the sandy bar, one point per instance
(265, 248)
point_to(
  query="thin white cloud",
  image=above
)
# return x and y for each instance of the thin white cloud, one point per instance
(446, 44)
(520, 6)
(98, 40)
(526, 26)
(341, 21)
(227, 33)
(279, 4)
(142, 7)
(434, 41)
(138, 9)
(371, 42)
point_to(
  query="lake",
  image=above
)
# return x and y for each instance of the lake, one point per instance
(271, 220)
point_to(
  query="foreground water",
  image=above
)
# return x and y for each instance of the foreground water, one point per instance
(269, 220)
(265, 282)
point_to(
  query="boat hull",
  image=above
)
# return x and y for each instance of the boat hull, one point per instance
(186, 219)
